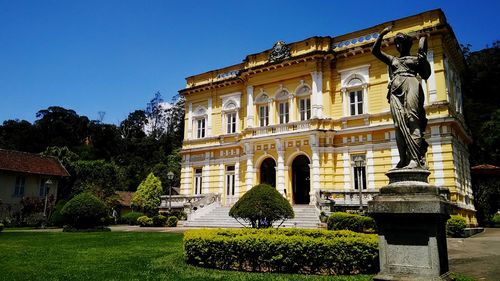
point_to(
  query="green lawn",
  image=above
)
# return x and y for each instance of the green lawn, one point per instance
(112, 256)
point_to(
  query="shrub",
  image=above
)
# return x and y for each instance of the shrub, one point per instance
(56, 218)
(145, 221)
(101, 228)
(353, 222)
(181, 215)
(455, 226)
(261, 206)
(130, 218)
(1, 227)
(283, 250)
(84, 211)
(495, 221)
(147, 196)
(172, 221)
(159, 220)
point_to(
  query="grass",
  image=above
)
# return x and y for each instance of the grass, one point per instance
(113, 256)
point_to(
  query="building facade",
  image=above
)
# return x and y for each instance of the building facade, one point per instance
(312, 117)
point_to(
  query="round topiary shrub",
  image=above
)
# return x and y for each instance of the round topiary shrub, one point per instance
(145, 221)
(455, 226)
(495, 221)
(159, 220)
(353, 222)
(84, 211)
(172, 221)
(130, 218)
(261, 206)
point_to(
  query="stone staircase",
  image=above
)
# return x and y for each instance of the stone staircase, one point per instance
(305, 217)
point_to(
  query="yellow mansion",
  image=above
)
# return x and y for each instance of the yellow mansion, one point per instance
(312, 117)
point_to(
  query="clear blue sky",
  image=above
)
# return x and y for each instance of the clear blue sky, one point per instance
(113, 56)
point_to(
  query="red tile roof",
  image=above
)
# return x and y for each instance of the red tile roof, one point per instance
(125, 198)
(486, 169)
(17, 161)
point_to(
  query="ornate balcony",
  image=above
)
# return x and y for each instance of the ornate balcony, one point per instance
(282, 128)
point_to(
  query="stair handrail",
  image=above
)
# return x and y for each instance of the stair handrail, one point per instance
(196, 202)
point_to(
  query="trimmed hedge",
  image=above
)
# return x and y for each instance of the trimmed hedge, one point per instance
(130, 218)
(455, 226)
(283, 250)
(353, 222)
(84, 211)
(172, 221)
(145, 221)
(159, 220)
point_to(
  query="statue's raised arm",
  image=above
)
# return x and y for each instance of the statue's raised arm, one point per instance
(377, 52)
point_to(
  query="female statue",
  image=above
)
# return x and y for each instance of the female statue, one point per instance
(406, 97)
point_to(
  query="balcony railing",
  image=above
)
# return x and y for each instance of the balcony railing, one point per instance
(282, 128)
(348, 198)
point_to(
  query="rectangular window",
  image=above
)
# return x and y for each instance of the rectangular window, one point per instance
(264, 115)
(359, 177)
(230, 179)
(200, 127)
(305, 109)
(356, 102)
(198, 181)
(283, 112)
(19, 187)
(231, 122)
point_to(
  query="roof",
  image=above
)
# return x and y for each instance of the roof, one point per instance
(24, 162)
(485, 169)
(125, 197)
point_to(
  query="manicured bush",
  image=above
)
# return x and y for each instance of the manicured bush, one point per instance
(261, 206)
(56, 218)
(1, 227)
(84, 211)
(455, 226)
(181, 215)
(283, 250)
(353, 222)
(172, 221)
(495, 221)
(159, 220)
(130, 218)
(145, 221)
(147, 196)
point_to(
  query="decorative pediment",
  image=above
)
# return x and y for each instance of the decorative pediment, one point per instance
(303, 90)
(281, 94)
(279, 52)
(262, 98)
(200, 111)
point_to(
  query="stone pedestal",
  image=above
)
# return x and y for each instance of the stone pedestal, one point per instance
(411, 217)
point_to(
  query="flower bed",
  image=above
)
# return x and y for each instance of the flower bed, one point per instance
(283, 250)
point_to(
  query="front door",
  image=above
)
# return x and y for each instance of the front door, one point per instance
(268, 172)
(301, 180)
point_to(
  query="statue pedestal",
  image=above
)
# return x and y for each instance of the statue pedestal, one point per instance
(411, 218)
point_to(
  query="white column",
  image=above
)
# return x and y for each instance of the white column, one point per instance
(190, 122)
(209, 118)
(431, 82)
(236, 180)
(206, 174)
(291, 108)
(313, 140)
(280, 169)
(186, 175)
(221, 180)
(347, 171)
(370, 170)
(437, 156)
(249, 173)
(317, 94)
(271, 111)
(250, 109)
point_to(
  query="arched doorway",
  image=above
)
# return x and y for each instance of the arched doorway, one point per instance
(268, 172)
(300, 180)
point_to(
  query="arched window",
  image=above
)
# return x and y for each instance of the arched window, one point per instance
(200, 121)
(354, 90)
(282, 97)
(230, 116)
(262, 103)
(303, 94)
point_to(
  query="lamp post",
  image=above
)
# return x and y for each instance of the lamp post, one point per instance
(170, 177)
(46, 186)
(358, 163)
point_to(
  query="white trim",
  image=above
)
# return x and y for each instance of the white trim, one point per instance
(437, 161)
(370, 170)
(209, 118)
(317, 94)
(431, 82)
(347, 170)
(250, 107)
(190, 121)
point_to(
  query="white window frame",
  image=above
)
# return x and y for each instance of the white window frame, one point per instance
(201, 131)
(198, 181)
(353, 80)
(354, 172)
(19, 187)
(284, 112)
(263, 115)
(355, 102)
(230, 181)
(305, 108)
